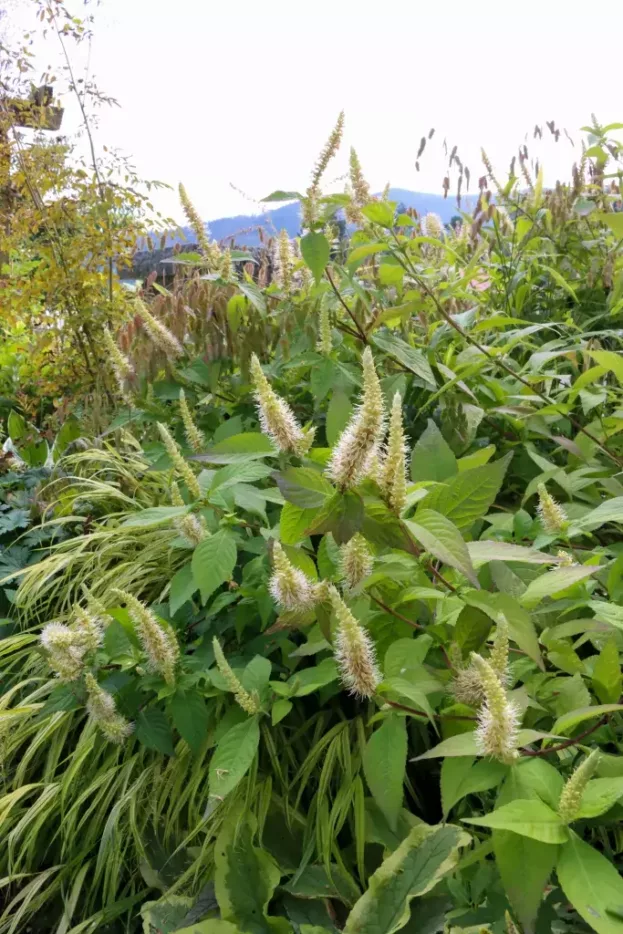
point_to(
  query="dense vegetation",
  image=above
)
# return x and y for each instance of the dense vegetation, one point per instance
(312, 583)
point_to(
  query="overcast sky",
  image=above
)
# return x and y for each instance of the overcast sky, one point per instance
(221, 92)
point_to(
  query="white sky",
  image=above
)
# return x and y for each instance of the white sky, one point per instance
(215, 92)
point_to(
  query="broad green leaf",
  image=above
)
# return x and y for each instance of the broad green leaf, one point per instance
(440, 536)
(532, 777)
(529, 818)
(182, 588)
(342, 515)
(245, 879)
(404, 657)
(379, 212)
(155, 516)
(238, 448)
(471, 629)
(477, 459)
(557, 277)
(422, 859)
(463, 744)
(213, 562)
(553, 582)
(469, 495)
(166, 915)
(599, 796)
(293, 522)
(305, 487)
(153, 731)
(338, 416)
(280, 709)
(610, 361)
(613, 220)
(211, 926)
(520, 625)
(525, 866)
(315, 882)
(464, 775)
(607, 673)
(413, 359)
(254, 294)
(233, 474)
(384, 761)
(233, 757)
(432, 457)
(356, 256)
(592, 885)
(309, 680)
(565, 724)
(190, 717)
(484, 551)
(609, 511)
(415, 693)
(316, 251)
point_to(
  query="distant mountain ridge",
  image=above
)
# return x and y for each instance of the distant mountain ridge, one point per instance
(288, 217)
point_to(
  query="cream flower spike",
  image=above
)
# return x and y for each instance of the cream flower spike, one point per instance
(354, 651)
(277, 419)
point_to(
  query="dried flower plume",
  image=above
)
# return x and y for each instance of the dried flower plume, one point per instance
(276, 417)
(102, 710)
(290, 587)
(433, 226)
(158, 333)
(362, 435)
(310, 203)
(354, 651)
(250, 703)
(498, 719)
(179, 461)
(157, 639)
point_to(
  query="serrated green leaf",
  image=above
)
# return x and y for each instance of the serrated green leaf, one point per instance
(529, 818)
(213, 562)
(599, 796)
(413, 359)
(233, 757)
(570, 720)
(305, 487)
(469, 495)
(463, 775)
(189, 714)
(432, 457)
(592, 885)
(183, 586)
(463, 744)
(440, 536)
(153, 731)
(338, 416)
(607, 673)
(553, 582)
(315, 250)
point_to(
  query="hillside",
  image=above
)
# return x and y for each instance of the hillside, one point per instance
(287, 216)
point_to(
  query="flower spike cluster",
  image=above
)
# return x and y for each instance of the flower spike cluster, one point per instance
(67, 647)
(361, 437)
(157, 639)
(249, 702)
(291, 589)
(324, 343)
(498, 719)
(354, 651)
(194, 436)
(356, 561)
(102, 710)
(122, 368)
(552, 515)
(158, 333)
(276, 417)
(571, 797)
(394, 470)
(179, 462)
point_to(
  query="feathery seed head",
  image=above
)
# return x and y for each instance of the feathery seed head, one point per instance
(116, 729)
(566, 560)
(329, 150)
(553, 517)
(498, 719)
(354, 651)
(283, 261)
(226, 266)
(88, 629)
(571, 797)
(356, 561)
(176, 496)
(498, 658)
(191, 528)
(121, 366)
(158, 333)
(433, 226)
(291, 589)
(96, 607)
(179, 461)
(194, 436)
(249, 702)
(360, 187)
(64, 652)
(394, 470)
(466, 686)
(100, 704)
(277, 419)
(157, 639)
(362, 435)
(193, 218)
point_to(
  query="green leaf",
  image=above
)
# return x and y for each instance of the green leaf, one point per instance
(441, 537)
(525, 866)
(233, 757)
(213, 562)
(463, 775)
(557, 277)
(384, 761)
(599, 796)
(293, 522)
(592, 885)
(613, 220)
(342, 515)
(482, 552)
(254, 294)
(411, 692)
(607, 673)
(610, 511)
(412, 359)
(153, 731)
(211, 926)
(280, 709)
(190, 717)
(379, 212)
(469, 495)
(414, 868)
(315, 882)
(239, 473)
(315, 250)
(529, 818)
(570, 720)
(305, 487)
(471, 629)
(432, 457)
(183, 587)
(283, 196)
(610, 361)
(155, 516)
(552, 582)
(356, 256)
(338, 416)
(463, 744)
(238, 448)
(245, 879)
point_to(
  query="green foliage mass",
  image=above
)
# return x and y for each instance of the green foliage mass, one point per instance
(329, 638)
